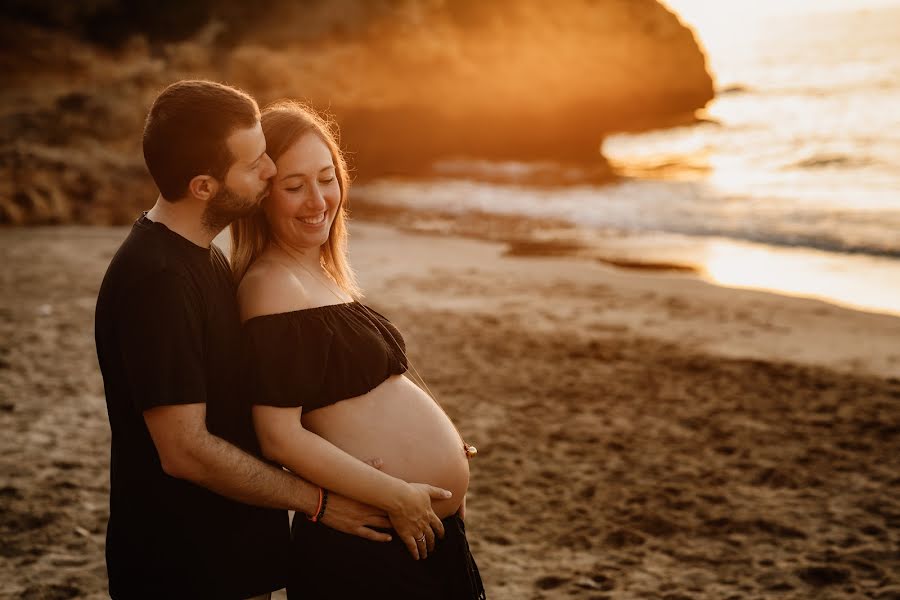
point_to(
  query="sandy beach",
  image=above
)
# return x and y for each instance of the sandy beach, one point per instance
(640, 435)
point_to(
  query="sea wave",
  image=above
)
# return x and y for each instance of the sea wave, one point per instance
(805, 89)
(825, 243)
(734, 88)
(820, 161)
(669, 207)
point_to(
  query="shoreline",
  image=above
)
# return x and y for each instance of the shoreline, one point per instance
(752, 324)
(639, 434)
(801, 272)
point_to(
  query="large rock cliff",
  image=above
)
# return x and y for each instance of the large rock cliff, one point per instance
(409, 82)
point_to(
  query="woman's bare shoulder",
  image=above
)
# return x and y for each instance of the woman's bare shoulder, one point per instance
(269, 288)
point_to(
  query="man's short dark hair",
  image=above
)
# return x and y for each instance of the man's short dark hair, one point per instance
(186, 132)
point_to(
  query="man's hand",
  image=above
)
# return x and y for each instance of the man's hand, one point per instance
(355, 518)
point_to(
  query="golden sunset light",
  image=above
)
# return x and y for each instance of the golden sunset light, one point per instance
(450, 299)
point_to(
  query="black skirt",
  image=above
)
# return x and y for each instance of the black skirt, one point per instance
(326, 563)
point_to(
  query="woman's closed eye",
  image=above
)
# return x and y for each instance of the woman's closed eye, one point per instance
(300, 187)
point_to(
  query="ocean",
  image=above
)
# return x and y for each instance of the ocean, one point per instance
(790, 182)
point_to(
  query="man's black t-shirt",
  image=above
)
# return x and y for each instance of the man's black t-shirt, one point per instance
(168, 332)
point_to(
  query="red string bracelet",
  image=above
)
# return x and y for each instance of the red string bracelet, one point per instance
(315, 515)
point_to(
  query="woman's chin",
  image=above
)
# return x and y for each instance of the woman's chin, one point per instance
(304, 239)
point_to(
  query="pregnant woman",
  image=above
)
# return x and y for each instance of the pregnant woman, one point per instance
(331, 390)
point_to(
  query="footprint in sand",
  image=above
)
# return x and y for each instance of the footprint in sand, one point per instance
(619, 538)
(822, 576)
(602, 582)
(500, 540)
(873, 531)
(550, 582)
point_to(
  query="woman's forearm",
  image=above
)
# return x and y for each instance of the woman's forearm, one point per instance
(317, 460)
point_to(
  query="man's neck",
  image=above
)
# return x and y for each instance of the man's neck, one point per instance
(184, 218)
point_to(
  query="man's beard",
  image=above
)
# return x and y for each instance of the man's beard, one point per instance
(227, 206)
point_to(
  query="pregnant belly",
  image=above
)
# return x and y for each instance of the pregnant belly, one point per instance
(400, 424)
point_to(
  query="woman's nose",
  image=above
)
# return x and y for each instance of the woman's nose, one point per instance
(315, 197)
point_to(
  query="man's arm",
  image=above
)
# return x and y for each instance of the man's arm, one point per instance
(188, 451)
(161, 344)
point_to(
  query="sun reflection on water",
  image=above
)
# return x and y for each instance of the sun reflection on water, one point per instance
(797, 152)
(868, 285)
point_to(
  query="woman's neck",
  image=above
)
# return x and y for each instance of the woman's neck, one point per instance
(308, 258)
(309, 262)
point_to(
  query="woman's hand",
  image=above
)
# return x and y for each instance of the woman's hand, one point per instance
(415, 521)
(408, 505)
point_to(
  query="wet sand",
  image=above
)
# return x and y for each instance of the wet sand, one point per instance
(640, 435)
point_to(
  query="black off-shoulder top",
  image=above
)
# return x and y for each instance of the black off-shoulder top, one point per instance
(314, 357)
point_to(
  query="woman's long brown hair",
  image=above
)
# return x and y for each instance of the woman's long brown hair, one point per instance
(283, 123)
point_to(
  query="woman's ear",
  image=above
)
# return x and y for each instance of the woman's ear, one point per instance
(203, 187)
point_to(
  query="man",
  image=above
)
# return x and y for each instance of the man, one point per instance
(184, 466)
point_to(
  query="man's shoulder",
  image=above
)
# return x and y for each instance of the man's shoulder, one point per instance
(145, 249)
(142, 262)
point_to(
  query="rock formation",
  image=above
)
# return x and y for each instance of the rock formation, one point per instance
(409, 82)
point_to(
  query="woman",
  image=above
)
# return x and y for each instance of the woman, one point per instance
(331, 389)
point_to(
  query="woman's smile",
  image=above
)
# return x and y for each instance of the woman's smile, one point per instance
(314, 221)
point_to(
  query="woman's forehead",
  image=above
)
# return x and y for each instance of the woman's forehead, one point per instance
(309, 154)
